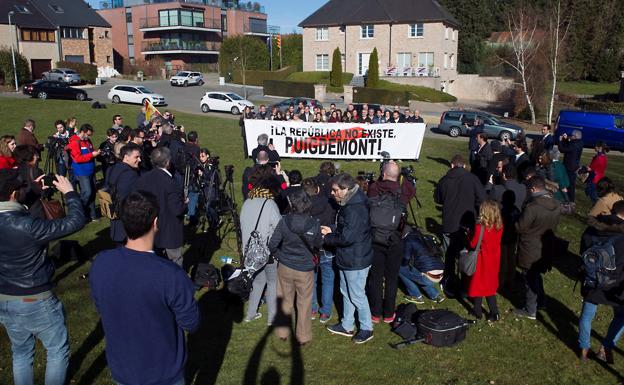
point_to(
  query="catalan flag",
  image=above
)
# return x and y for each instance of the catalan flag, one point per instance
(150, 110)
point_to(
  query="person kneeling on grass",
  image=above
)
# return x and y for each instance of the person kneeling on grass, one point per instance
(146, 301)
(420, 267)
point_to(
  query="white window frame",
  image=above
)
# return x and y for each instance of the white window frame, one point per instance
(412, 31)
(452, 61)
(446, 33)
(321, 34)
(454, 34)
(324, 60)
(445, 60)
(400, 66)
(368, 28)
(427, 55)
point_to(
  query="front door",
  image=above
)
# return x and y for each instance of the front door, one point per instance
(363, 59)
(39, 66)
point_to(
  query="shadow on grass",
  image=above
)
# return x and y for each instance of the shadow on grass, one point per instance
(442, 161)
(564, 326)
(201, 249)
(207, 346)
(271, 376)
(99, 364)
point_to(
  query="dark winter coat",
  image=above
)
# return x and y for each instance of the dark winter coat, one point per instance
(351, 235)
(460, 193)
(123, 177)
(406, 189)
(171, 207)
(572, 151)
(606, 226)
(288, 245)
(537, 223)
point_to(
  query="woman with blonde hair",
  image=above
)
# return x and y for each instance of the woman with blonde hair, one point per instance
(484, 281)
(71, 125)
(7, 145)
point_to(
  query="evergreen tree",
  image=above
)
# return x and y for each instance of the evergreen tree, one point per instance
(335, 76)
(373, 69)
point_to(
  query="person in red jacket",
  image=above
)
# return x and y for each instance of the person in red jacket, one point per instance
(597, 169)
(484, 281)
(7, 145)
(83, 165)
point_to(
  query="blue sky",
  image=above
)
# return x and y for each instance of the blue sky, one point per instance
(285, 13)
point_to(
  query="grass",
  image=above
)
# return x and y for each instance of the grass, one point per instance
(320, 77)
(419, 93)
(587, 88)
(228, 351)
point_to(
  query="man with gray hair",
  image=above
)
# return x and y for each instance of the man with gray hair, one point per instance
(572, 148)
(351, 236)
(169, 239)
(265, 145)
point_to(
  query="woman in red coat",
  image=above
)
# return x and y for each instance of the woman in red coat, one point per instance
(597, 168)
(7, 145)
(484, 281)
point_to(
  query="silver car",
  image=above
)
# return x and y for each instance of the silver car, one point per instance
(66, 75)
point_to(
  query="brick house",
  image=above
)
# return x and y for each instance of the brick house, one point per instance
(178, 32)
(48, 31)
(414, 38)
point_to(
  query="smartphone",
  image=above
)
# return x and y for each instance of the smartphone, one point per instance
(48, 180)
(271, 141)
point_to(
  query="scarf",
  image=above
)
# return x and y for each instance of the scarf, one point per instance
(11, 206)
(349, 195)
(258, 192)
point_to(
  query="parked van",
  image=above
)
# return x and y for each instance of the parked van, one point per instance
(595, 126)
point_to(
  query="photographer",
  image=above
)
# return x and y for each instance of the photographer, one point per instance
(107, 150)
(263, 159)
(387, 245)
(56, 148)
(29, 309)
(265, 145)
(83, 165)
(31, 190)
(205, 185)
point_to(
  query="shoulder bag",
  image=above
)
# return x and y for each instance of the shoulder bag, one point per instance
(468, 258)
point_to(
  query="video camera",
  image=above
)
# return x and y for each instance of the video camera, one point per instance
(56, 145)
(368, 175)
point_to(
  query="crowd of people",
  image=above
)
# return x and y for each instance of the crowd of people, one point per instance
(319, 230)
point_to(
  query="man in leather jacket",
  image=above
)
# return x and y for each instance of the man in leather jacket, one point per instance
(28, 306)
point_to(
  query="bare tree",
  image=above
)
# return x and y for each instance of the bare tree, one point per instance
(522, 26)
(558, 27)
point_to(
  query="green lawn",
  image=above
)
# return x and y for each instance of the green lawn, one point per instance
(419, 93)
(228, 351)
(319, 77)
(587, 88)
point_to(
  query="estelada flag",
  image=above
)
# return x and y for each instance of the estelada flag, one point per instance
(150, 110)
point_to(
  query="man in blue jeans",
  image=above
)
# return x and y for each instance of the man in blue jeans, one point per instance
(419, 266)
(29, 309)
(351, 236)
(83, 157)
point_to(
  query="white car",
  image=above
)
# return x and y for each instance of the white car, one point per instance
(186, 78)
(135, 94)
(224, 101)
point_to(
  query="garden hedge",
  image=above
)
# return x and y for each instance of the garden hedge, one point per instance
(257, 78)
(601, 106)
(380, 96)
(288, 89)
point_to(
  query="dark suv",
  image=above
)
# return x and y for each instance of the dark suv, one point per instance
(456, 123)
(284, 104)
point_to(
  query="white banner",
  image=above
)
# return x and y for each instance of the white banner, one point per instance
(295, 139)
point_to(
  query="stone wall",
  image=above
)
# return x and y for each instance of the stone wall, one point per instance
(483, 88)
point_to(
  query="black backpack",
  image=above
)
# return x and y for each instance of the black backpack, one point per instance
(237, 281)
(441, 327)
(386, 213)
(599, 265)
(207, 275)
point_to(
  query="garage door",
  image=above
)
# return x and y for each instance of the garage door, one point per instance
(40, 66)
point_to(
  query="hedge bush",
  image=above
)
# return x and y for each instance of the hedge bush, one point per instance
(601, 106)
(6, 67)
(257, 78)
(289, 89)
(88, 72)
(380, 96)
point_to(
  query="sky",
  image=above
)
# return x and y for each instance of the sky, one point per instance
(284, 13)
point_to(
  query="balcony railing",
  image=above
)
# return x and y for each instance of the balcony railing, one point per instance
(154, 22)
(251, 29)
(181, 46)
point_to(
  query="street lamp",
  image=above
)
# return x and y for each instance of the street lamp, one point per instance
(11, 13)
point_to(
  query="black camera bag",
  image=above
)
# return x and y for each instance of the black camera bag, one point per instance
(441, 327)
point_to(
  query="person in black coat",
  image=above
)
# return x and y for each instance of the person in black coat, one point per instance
(572, 148)
(460, 193)
(120, 182)
(607, 228)
(473, 145)
(482, 159)
(171, 202)
(521, 159)
(352, 238)
(265, 145)
(548, 141)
